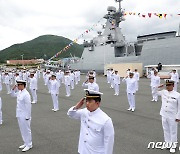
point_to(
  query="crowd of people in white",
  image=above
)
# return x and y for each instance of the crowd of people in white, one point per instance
(70, 78)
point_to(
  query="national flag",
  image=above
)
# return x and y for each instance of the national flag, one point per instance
(149, 14)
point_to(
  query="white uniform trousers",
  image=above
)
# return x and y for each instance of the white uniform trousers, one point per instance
(112, 83)
(55, 101)
(175, 86)
(154, 93)
(49, 87)
(8, 88)
(116, 89)
(170, 127)
(108, 79)
(11, 81)
(44, 80)
(131, 100)
(79, 78)
(59, 81)
(68, 90)
(34, 95)
(72, 84)
(137, 85)
(0, 111)
(76, 80)
(0, 86)
(62, 79)
(25, 129)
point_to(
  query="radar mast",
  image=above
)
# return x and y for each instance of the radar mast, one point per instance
(119, 4)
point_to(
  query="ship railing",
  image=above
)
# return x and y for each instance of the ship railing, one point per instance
(166, 69)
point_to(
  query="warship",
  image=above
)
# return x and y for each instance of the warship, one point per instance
(110, 46)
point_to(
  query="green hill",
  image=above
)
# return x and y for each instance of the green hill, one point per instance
(41, 47)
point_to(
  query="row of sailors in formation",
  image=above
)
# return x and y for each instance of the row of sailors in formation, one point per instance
(69, 78)
(131, 81)
(53, 82)
(10, 77)
(170, 112)
(155, 82)
(114, 79)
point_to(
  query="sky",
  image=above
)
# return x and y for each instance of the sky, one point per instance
(24, 20)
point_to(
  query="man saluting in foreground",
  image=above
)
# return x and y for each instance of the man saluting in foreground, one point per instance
(97, 131)
(23, 113)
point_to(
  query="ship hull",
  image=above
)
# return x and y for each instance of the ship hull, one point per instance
(166, 51)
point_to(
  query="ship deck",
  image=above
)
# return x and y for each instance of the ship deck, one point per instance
(56, 133)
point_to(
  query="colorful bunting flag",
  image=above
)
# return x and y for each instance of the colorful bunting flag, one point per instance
(165, 15)
(160, 15)
(149, 14)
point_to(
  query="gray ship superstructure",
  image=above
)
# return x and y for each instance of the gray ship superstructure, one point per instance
(110, 47)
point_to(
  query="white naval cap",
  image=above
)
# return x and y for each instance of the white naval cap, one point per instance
(169, 81)
(92, 93)
(53, 74)
(21, 81)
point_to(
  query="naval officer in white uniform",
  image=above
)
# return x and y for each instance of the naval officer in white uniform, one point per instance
(116, 83)
(67, 83)
(97, 131)
(175, 77)
(0, 104)
(23, 113)
(54, 90)
(131, 90)
(1, 111)
(33, 87)
(170, 113)
(155, 82)
(90, 84)
(7, 82)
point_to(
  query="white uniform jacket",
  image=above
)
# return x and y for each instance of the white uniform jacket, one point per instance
(170, 104)
(23, 108)
(136, 76)
(91, 86)
(54, 87)
(33, 83)
(67, 80)
(155, 81)
(97, 131)
(72, 76)
(131, 85)
(175, 77)
(7, 79)
(116, 79)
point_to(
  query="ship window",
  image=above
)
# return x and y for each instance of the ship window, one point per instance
(161, 38)
(120, 52)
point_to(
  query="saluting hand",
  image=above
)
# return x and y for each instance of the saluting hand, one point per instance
(177, 120)
(14, 87)
(161, 86)
(80, 104)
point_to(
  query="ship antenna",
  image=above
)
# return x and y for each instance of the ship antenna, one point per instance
(119, 4)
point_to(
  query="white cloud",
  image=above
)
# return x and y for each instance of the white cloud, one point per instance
(23, 20)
